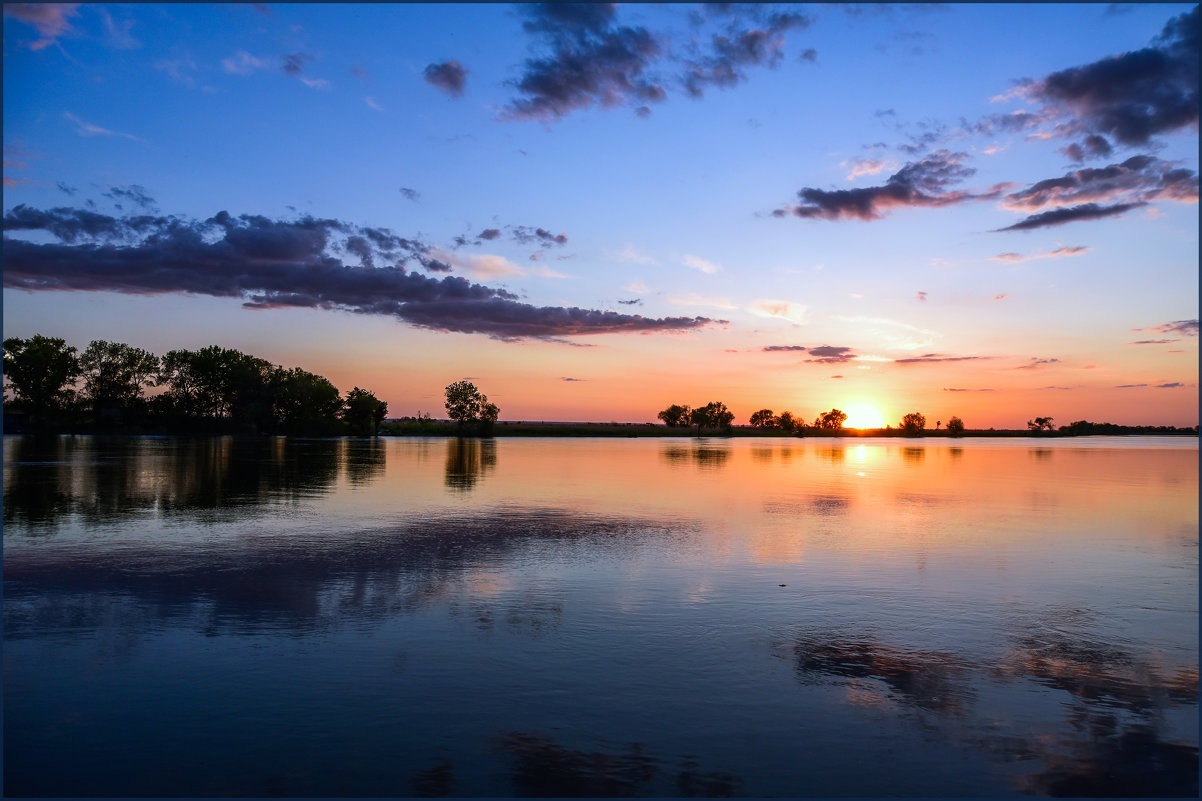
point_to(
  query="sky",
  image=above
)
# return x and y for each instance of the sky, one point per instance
(593, 212)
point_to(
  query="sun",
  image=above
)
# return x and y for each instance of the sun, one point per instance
(864, 415)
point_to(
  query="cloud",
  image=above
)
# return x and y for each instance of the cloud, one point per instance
(632, 302)
(449, 77)
(242, 63)
(709, 268)
(294, 63)
(1129, 386)
(525, 236)
(371, 103)
(315, 83)
(938, 357)
(131, 194)
(279, 264)
(565, 378)
(782, 309)
(958, 389)
(869, 167)
(51, 20)
(117, 35)
(588, 61)
(823, 354)
(88, 129)
(922, 296)
(1060, 252)
(1088, 211)
(1093, 146)
(1134, 96)
(1173, 385)
(630, 255)
(776, 348)
(489, 233)
(922, 183)
(693, 299)
(1139, 179)
(737, 48)
(1188, 328)
(1035, 363)
(1002, 296)
(1154, 342)
(412, 194)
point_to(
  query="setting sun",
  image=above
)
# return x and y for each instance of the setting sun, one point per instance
(864, 415)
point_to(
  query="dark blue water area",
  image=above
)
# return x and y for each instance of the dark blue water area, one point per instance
(401, 631)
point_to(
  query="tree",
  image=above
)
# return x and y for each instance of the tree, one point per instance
(831, 421)
(675, 416)
(308, 403)
(1040, 424)
(467, 406)
(786, 422)
(712, 415)
(114, 376)
(40, 372)
(363, 412)
(913, 424)
(763, 419)
(955, 427)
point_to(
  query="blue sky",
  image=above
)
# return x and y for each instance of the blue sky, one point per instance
(595, 211)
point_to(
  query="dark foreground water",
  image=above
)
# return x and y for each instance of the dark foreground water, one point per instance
(600, 617)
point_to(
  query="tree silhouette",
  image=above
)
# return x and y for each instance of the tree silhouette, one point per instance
(830, 421)
(763, 419)
(955, 427)
(467, 406)
(114, 376)
(675, 416)
(40, 371)
(712, 415)
(1040, 424)
(913, 424)
(363, 412)
(785, 421)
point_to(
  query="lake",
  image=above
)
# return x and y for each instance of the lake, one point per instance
(600, 617)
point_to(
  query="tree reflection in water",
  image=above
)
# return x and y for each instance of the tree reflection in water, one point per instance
(706, 456)
(468, 460)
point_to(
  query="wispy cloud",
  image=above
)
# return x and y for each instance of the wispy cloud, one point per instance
(1035, 363)
(694, 299)
(1187, 328)
(51, 20)
(928, 358)
(1060, 252)
(779, 309)
(449, 77)
(707, 267)
(243, 63)
(84, 128)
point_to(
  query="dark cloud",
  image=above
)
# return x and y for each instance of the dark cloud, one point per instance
(810, 55)
(279, 263)
(1088, 211)
(938, 357)
(294, 63)
(66, 190)
(133, 194)
(1129, 386)
(1093, 146)
(588, 61)
(1173, 385)
(489, 233)
(1134, 96)
(1187, 327)
(771, 348)
(412, 194)
(1139, 179)
(827, 354)
(737, 48)
(920, 183)
(565, 378)
(1036, 363)
(634, 302)
(449, 77)
(958, 389)
(1153, 342)
(525, 236)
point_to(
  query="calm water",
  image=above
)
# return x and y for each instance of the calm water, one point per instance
(600, 617)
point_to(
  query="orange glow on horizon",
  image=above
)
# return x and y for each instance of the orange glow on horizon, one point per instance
(864, 415)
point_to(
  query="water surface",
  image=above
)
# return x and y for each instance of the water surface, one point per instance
(400, 617)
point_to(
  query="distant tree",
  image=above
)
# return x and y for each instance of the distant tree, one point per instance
(937, 424)
(675, 416)
(955, 427)
(913, 424)
(830, 421)
(763, 419)
(712, 415)
(114, 376)
(40, 372)
(1040, 424)
(363, 412)
(470, 408)
(786, 422)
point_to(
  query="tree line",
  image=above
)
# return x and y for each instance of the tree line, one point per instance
(716, 416)
(212, 390)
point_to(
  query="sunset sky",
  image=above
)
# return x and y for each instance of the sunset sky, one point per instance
(593, 212)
